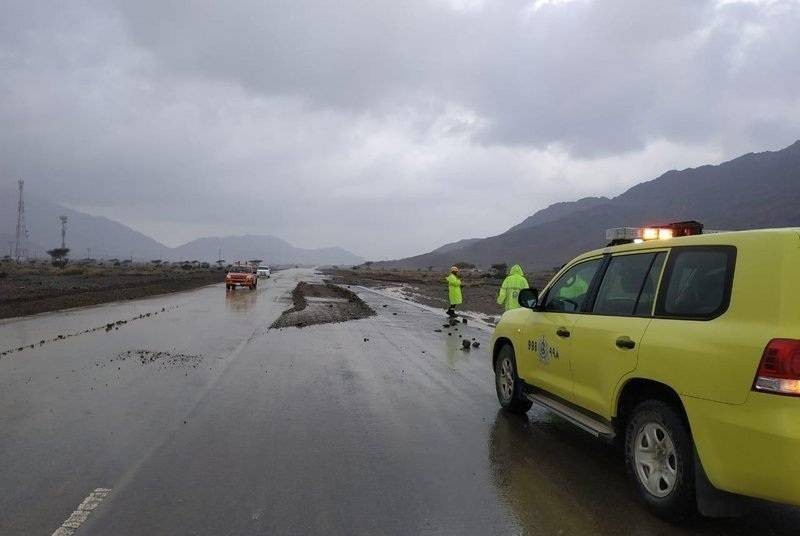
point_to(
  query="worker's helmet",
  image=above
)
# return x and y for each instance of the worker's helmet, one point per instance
(454, 269)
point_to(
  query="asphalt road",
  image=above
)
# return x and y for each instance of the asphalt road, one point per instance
(198, 419)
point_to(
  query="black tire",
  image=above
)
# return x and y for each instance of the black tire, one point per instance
(672, 473)
(509, 389)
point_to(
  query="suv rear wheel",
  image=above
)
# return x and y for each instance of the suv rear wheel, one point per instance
(659, 456)
(507, 384)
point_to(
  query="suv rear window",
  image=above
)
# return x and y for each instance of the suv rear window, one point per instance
(697, 282)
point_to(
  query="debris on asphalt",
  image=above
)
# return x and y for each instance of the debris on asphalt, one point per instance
(476, 344)
(437, 330)
(316, 303)
(465, 344)
(107, 327)
(463, 320)
(164, 359)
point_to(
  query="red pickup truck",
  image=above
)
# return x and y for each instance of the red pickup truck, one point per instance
(241, 276)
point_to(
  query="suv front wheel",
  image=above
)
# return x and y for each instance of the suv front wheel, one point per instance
(660, 460)
(509, 390)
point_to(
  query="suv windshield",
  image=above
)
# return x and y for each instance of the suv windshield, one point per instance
(240, 270)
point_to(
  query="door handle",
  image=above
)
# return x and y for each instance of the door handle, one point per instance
(562, 332)
(625, 343)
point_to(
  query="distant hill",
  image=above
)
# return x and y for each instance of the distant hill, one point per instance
(271, 249)
(452, 246)
(103, 238)
(557, 211)
(757, 190)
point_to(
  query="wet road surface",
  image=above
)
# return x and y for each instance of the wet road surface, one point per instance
(374, 426)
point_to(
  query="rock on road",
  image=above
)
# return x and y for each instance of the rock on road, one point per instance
(198, 419)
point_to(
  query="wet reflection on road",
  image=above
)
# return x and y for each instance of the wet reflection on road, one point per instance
(559, 480)
(240, 300)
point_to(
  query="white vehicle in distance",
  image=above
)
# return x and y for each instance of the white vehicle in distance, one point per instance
(263, 271)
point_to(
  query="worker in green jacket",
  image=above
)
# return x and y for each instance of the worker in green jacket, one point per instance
(509, 291)
(453, 290)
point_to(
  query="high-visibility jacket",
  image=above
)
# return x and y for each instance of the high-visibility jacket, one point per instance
(576, 288)
(509, 291)
(454, 289)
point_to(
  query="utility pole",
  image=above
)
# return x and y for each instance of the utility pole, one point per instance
(63, 231)
(22, 231)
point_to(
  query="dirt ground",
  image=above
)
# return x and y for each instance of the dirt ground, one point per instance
(429, 288)
(322, 304)
(29, 289)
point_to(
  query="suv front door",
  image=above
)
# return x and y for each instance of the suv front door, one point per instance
(606, 342)
(548, 330)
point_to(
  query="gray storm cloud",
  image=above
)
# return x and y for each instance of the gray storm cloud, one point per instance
(383, 127)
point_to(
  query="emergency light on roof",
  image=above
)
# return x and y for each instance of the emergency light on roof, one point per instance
(626, 235)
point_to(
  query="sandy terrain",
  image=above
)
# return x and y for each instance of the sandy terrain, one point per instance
(29, 289)
(480, 290)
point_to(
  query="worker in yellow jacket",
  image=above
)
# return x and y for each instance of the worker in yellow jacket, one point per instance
(453, 291)
(508, 296)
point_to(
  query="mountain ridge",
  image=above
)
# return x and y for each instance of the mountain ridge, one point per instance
(101, 237)
(754, 190)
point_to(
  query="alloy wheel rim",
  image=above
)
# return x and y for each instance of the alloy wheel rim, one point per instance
(656, 459)
(505, 379)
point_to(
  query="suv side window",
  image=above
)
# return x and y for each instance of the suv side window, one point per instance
(697, 282)
(568, 294)
(623, 283)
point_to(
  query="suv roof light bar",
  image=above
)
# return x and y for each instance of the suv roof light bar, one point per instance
(627, 235)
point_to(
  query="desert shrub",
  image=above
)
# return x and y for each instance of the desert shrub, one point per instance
(73, 271)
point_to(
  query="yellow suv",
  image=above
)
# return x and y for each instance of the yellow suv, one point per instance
(686, 350)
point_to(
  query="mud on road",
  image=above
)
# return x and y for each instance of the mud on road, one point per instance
(316, 303)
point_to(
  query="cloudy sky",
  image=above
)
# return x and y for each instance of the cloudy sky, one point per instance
(386, 127)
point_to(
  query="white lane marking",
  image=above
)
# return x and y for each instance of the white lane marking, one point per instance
(81, 513)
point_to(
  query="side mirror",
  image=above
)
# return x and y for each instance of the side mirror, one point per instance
(528, 298)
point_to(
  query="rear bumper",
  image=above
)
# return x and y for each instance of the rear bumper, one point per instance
(751, 449)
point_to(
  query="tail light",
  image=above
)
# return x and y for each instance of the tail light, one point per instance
(779, 370)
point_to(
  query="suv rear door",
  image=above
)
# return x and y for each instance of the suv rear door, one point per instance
(606, 340)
